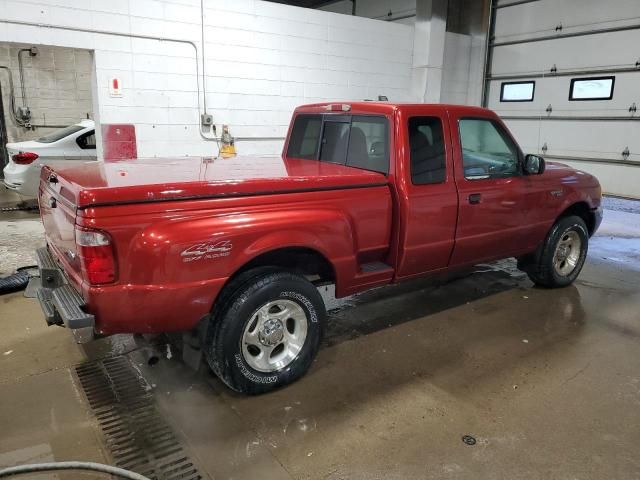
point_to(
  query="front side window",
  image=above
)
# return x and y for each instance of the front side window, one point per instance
(427, 154)
(359, 141)
(487, 150)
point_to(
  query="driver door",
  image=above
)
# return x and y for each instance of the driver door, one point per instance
(492, 191)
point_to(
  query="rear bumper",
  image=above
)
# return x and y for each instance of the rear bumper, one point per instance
(60, 302)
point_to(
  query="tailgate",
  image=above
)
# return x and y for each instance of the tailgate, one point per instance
(58, 213)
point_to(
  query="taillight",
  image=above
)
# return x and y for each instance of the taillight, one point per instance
(96, 256)
(24, 158)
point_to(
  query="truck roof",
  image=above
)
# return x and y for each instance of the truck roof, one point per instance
(385, 107)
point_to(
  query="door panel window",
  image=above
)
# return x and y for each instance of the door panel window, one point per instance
(487, 150)
(427, 154)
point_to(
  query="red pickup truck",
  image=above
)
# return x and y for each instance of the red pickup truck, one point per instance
(232, 250)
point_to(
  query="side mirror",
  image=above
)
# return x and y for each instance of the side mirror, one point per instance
(534, 165)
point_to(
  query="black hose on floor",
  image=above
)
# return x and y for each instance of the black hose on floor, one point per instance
(54, 466)
(17, 281)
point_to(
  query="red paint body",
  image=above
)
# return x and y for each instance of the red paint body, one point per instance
(155, 209)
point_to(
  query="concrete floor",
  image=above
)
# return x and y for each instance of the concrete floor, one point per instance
(546, 381)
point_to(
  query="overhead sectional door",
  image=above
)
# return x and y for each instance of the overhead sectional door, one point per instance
(565, 77)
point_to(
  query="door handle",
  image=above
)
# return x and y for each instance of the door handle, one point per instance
(474, 198)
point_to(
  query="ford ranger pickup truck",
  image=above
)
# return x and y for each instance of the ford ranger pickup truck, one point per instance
(232, 250)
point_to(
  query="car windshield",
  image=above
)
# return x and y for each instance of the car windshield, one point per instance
(59, 134)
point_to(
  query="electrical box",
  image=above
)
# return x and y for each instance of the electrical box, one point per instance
(206, 120)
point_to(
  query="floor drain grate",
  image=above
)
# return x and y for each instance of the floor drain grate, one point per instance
(137, 436)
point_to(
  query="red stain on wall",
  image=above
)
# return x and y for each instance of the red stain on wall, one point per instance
(119, 142)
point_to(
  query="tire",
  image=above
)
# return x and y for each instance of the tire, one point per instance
(266, 330)
(559, 260)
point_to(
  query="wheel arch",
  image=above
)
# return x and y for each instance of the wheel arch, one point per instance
(583, 210)
(303, 260)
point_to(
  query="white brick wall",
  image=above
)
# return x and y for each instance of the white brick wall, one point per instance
(261, 60)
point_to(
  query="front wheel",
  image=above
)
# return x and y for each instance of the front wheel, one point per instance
(559, 260)
(267, 333)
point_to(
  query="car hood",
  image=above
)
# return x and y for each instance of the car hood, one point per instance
(149, 180)
(568, 175)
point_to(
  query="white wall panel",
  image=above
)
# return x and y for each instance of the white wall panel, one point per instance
(603, 140)
(261, 60)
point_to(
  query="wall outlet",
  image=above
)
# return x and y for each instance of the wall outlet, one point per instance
(206, 120)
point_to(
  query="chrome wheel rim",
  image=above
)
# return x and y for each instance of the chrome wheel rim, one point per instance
(567, 254)
(274, 335)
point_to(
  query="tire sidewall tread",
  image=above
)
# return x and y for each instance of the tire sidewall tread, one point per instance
(541, 271)
(224, 352)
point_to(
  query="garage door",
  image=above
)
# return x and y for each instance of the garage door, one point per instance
(565, 76)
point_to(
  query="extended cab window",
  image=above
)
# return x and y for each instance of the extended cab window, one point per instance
(426, 150)
(304, 136)
(360, 141)
(487, 150)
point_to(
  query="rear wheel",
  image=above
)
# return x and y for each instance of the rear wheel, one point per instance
(559, 260)
(267, 333)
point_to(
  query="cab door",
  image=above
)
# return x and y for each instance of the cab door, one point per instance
(492, 190)
(428, 202)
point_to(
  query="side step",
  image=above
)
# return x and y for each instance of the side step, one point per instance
(375, 267)
(374, 273)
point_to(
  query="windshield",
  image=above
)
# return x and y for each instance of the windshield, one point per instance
(59, 134)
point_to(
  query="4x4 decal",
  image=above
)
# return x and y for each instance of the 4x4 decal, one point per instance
(208, 250)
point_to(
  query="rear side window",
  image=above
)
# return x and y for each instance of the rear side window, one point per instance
(87, 141)
(427, 154)
(359, 141)
(304, 136)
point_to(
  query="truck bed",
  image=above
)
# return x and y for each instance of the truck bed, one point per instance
(150, 180)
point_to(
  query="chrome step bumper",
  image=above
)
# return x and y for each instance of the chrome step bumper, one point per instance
(61, 304)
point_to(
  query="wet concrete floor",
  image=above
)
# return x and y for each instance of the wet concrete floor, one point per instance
(546, 381)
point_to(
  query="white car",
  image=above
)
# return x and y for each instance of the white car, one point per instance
(63, 147)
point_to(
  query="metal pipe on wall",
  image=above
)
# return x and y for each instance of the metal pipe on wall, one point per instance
(142, 37)
(12, 97)
(21, 71)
